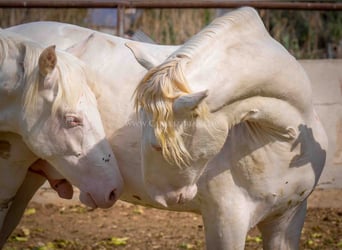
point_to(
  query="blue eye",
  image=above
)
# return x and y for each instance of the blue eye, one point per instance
(72, 121)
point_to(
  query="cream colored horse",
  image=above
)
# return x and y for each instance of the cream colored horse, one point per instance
(230, 114)
(247, 180)
(48, 111)
(118, 68)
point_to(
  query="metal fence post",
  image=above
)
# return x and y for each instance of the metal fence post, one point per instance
(120, 24)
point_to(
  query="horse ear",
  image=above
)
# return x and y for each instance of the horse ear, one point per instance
(187, 103)
(143, 58)
(47, 60)
(79, 48)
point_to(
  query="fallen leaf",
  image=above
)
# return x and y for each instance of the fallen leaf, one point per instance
(118, 241)
(25, 231)
(186, 246)
(30, 211)
(21, 238)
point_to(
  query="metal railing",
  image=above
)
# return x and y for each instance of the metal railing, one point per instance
(170, 4)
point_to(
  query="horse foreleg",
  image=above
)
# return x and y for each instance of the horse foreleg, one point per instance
(26, 191)
(283, 232)
(226, 227)
(226, 214)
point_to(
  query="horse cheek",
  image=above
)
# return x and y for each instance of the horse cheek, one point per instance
(75, 142)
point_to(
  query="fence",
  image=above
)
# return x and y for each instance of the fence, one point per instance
(121, 5)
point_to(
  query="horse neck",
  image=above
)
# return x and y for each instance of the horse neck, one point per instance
(235, 70)
(11, 110)
(235, 58)
(119, 79)
(16, 159)
(115, 99)
(256, 80)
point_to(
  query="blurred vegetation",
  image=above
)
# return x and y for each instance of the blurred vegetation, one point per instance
(15, 16)
(306, 34)
(173, 26)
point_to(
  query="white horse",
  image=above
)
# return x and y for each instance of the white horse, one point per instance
(48, 111)
(244, 180)
(233, 109)
(116, 65)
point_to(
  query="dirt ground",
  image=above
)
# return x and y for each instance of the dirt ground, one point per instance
(71, 226)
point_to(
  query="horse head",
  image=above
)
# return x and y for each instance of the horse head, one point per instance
(179, 135)
(55, 111)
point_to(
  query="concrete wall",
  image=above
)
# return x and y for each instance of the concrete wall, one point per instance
(326, 79)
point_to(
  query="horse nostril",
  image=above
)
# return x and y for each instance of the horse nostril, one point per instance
(112, 196)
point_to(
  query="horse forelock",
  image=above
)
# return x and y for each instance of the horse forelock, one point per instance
(70, 78)
(73, 80)
(155, 94)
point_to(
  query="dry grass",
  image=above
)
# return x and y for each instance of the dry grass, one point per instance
(306, 34)
(173, 26)
(15, 16)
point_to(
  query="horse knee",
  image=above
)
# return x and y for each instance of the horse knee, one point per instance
(282, 230)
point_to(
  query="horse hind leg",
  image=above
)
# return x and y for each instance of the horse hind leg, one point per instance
(283, 232)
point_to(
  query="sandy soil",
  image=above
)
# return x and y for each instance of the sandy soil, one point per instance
(53, 224)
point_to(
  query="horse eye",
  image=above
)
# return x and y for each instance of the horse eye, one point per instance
(156, 147)
(72, 121)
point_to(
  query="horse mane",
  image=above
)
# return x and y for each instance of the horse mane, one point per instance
(3, 51)
(70, 86)
(155, 94)
(232, 24)
(164, 83)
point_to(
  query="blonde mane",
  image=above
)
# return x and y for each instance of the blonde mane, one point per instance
(155, 94)
(72, 81)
